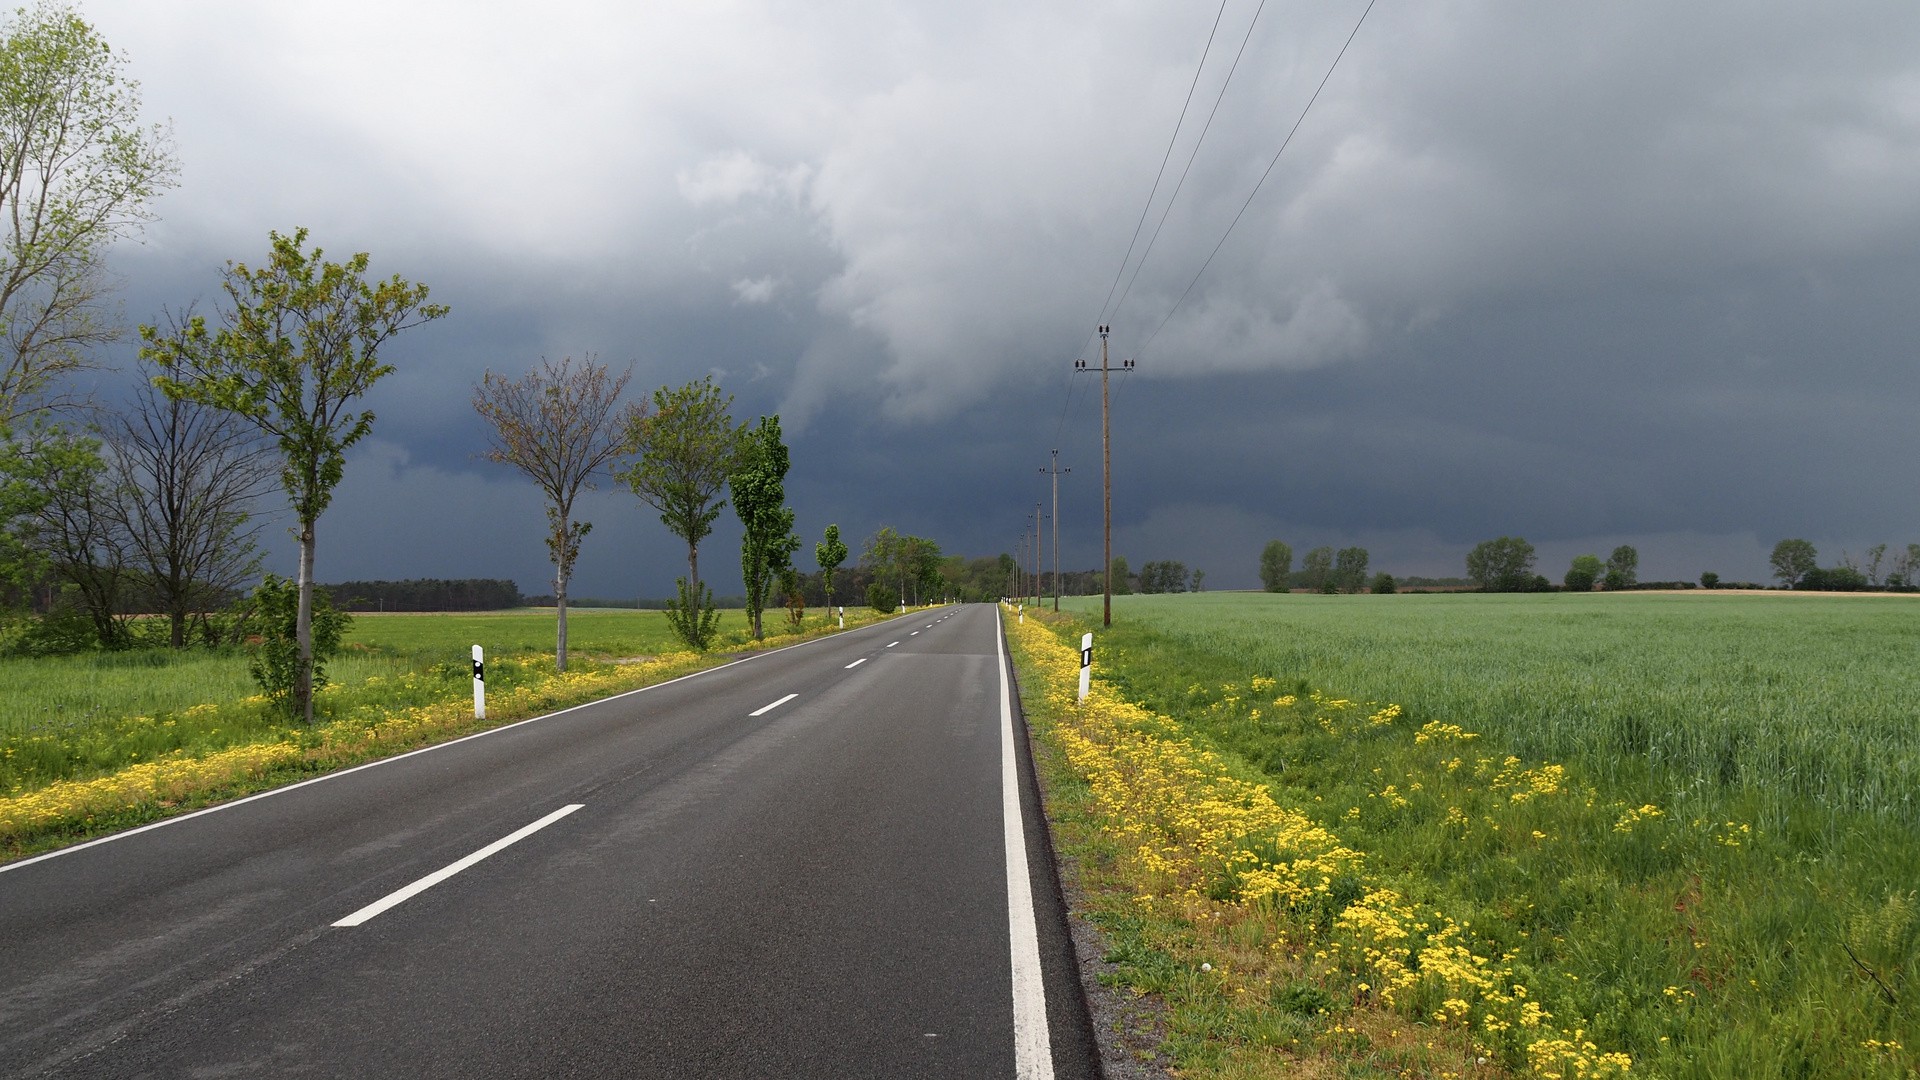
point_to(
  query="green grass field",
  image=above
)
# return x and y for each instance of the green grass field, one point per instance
(76, 716)
(1817, 697)
(1763, 924)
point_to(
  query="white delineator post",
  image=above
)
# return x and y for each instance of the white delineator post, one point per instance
(1086, 664)
(843, 617)
(479, 684)
(1023, 614)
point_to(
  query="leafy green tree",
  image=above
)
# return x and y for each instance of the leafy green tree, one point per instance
(1583, 573)
(1709, 580)
(1276, 566)
(1502, 565)
(77, 172)
(299, 346)
(881, 597)
(284, 660)
(1122, 585)
(1623, 568)
(1793, 560)
(791, 592)
(684, 451)
(884, 556)
(922, 560)
(1317, 570)
(767, 543)
(830, 553)
(1383, 583)
(1165, 576)
(1842, 578)
(561, 426)
(1350, 569)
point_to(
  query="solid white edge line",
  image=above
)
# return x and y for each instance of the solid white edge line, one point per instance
(769, 708)
(856, 663)
(1032, 1046)
(408, 892)
(336, 774)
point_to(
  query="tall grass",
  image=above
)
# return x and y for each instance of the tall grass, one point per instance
(1817, 698)
(1724, 882)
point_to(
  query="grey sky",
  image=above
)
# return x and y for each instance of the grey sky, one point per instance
(1588, 274)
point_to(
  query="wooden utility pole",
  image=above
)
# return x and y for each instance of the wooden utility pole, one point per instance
(1055, 470)
(1039, 552)
(1106, 472)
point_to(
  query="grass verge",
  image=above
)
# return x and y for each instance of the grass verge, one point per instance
(1373, 893)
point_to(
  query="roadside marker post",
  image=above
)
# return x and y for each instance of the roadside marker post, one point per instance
(843, 617)
(1086, 664)
(1023, 614)
(479, 684)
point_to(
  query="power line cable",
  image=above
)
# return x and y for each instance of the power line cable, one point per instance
(1166, 157)
(1263, 179)
(1168, 209)
(1172, 140)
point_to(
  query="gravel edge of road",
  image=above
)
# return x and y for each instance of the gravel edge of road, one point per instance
(1128, 1028)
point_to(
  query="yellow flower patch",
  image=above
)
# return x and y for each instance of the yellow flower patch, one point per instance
(1189, 824)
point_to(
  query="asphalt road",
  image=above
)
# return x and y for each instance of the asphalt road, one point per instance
(678, 882)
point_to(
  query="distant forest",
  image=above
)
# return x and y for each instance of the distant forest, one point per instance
(426, 594)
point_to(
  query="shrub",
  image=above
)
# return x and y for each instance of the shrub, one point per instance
(1383, 583)
(692, 617)
(1709, 580)
(275, 661)
(882, 598)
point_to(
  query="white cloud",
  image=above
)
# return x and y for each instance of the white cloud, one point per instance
(728, 178)
(755, 290)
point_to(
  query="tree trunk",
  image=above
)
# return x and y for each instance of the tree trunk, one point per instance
(560, 643)
(693, 570)
(303, 627)
(179, 637)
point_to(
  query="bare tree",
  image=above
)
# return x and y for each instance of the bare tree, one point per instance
(561, 426)
(187, 477)
(72, 531)
(77, 172)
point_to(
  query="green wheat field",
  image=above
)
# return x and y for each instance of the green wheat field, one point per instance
(1764, 923)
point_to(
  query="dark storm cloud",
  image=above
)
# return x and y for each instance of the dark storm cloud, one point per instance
(1593, 275)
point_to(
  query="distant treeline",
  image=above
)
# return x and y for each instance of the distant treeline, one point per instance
(638, 604)
(426, 594)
